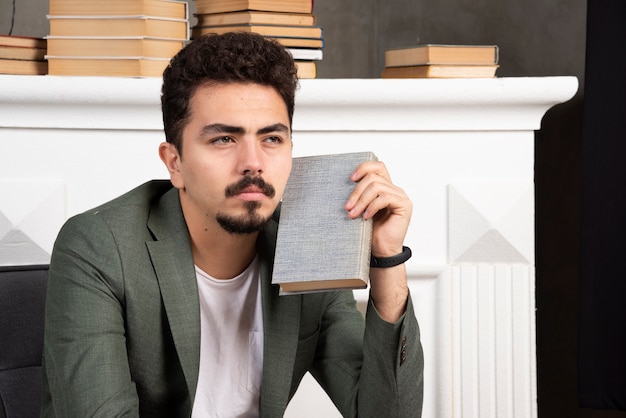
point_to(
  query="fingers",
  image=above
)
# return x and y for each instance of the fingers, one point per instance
(374, 192)
(373, 167)
(356, 203)
(373, 195)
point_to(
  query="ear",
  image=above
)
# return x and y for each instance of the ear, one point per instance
(171, 158)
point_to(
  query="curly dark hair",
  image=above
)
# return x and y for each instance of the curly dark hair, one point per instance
(235, 57)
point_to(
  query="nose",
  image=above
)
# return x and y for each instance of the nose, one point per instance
(250, 159)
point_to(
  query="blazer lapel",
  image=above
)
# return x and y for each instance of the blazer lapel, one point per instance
(281, 324)
(174, 267)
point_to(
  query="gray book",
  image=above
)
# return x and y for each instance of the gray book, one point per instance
(318, 247)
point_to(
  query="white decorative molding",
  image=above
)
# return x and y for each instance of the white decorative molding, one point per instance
(28, 211)
(71, 102)
(462, 150)
(491, 223)
(391, 105)
(483, 104)
(492, 321)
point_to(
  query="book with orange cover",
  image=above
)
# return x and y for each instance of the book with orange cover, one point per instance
(253, 17)
(23, 67)
(161, 8)
(22, 41)
(291, 42)
(306, 69)
(441, 71)
(131, 25)
(107, 66)
(268, 30)
(299, 42)
(442, 54)
(114, 46)
(221, 6)
(22, 53)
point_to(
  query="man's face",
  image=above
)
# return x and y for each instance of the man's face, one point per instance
(236, 157)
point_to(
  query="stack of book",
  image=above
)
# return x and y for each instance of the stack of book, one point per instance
(441, 61)
(290, 22)
(125, 38)
(22, 55)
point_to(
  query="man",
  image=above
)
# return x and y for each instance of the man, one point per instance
(160, 303)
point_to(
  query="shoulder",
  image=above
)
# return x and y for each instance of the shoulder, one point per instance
(124, 215)
(144, 196)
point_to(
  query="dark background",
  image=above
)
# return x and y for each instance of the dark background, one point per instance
(536, 38)
(602, 372)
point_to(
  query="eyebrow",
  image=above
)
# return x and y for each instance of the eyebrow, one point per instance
(216, 128)
(277, 127)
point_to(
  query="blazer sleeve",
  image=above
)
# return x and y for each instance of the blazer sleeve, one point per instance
(376, 371)
(392, 377)
(86, 371)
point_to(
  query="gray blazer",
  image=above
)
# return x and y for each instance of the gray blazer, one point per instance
(122, 330)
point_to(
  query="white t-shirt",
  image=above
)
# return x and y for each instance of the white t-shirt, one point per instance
(231, 346)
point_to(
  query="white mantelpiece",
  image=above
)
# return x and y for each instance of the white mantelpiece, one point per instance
(462, 149)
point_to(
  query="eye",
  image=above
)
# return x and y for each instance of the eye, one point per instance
(222, 140)
(273, 139)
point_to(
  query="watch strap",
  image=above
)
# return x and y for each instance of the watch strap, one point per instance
(394, 260)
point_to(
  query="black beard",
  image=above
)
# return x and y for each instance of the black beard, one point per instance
(250, 222)
(244, 224)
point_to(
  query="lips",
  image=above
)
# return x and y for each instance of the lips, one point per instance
(252, 189)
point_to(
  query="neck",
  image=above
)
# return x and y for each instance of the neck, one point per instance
(223, 255)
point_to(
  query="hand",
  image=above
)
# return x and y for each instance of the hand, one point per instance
(375, 196)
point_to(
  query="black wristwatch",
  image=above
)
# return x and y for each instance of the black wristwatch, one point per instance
(395, 260)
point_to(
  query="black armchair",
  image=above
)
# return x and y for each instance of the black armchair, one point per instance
(22, 306)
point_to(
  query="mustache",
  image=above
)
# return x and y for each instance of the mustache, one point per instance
(236, 188)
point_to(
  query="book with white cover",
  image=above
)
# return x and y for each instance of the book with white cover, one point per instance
(313, 54)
